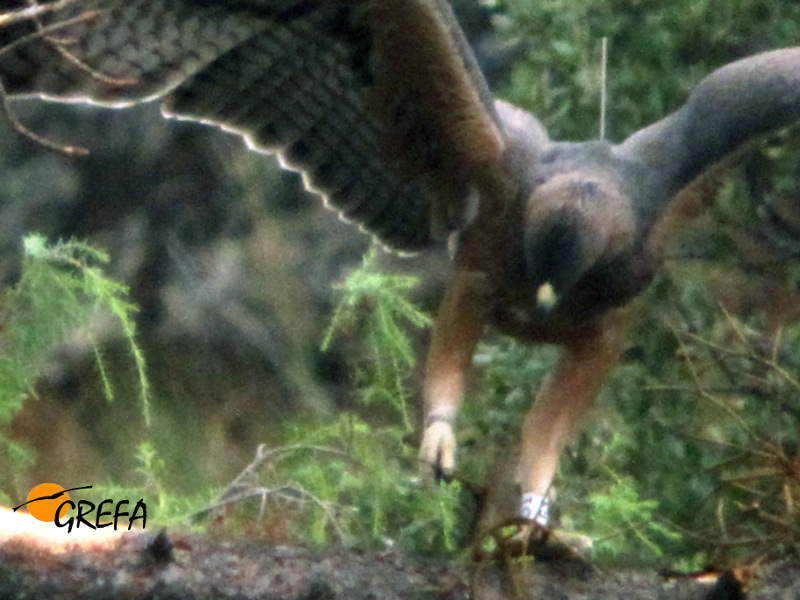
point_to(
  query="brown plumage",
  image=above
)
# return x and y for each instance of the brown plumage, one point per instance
(381, 106)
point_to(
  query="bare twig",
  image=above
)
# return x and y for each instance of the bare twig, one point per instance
(12, 120)
(59, 45)
(45, 33)
(245, 485)
(603, 86)
(33, 12)
(701, 391)
(759, 471)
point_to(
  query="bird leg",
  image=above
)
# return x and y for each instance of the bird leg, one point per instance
(566, 395)
(459, 326)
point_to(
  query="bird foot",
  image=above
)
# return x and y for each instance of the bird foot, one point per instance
(437, 454)
(516, 538)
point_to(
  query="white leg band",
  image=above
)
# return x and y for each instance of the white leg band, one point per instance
(535, 507)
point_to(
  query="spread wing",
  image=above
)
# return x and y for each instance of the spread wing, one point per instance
(734, 105)
(379, 103)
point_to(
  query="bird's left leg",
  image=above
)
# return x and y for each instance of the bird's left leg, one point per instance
(565, 397)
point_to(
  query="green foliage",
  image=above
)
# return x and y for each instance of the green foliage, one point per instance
(657, 52)
(364, 489)
(61, 293)
(349, 481)
(165, 506)
(743, 378)
(381, 377)
(702, 418)
(623, 524)
(61, 296)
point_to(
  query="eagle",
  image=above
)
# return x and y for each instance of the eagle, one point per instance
(381, 106)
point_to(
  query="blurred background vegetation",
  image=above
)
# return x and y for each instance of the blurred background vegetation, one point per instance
(237, 273)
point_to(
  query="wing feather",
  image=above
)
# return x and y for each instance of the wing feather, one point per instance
(379, 103)
(731, 107)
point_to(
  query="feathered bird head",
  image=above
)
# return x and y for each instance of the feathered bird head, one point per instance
(576, 217)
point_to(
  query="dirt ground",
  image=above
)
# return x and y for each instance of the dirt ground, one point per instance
(138, 565)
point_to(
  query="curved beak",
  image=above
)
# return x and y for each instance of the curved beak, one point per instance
(546, 296)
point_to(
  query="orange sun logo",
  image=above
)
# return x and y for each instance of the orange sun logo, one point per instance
(43, 501)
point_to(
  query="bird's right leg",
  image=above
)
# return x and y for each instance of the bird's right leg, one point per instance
(459, 326)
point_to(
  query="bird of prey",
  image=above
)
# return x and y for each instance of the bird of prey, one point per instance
(381, 106)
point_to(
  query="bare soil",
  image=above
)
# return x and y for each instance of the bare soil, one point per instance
(174, 566)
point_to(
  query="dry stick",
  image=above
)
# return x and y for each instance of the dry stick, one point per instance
(603, 86)
(783, 373)
(8, 114)
(5, 108)
(44, 33)
(266, 454)
(703, 392)
(788, 499)
(59, 46)
(33, 11)
(240, 488)
(776, 454)
(749, 354)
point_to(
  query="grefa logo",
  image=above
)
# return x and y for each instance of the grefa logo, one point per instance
(50, 503)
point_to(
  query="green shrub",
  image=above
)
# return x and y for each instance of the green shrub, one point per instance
(62, 295)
